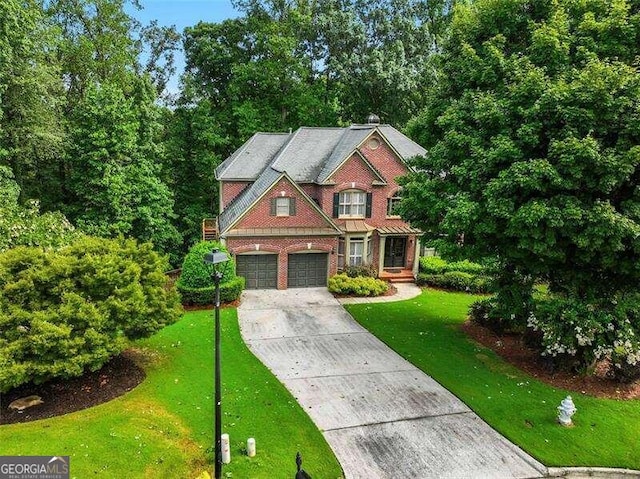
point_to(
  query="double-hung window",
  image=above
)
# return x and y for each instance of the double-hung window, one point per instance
(352, 204)
(356, 249)
(283, 206)
(393, 202)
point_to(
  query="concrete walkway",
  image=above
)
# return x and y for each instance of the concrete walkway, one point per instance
(382, 416)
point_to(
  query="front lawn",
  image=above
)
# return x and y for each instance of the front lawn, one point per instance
(164, 428)
(425, 331)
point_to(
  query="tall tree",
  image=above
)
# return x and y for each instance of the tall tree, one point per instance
(533, 145)
(192, 139)
(31, 127)
(115, 168)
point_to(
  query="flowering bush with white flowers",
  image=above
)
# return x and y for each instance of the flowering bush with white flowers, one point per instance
(580, 334)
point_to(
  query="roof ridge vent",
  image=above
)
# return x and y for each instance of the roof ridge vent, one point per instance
(373, 119)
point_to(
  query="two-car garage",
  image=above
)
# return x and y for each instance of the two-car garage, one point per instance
(304, 270)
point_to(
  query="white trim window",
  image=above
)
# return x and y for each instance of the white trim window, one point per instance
(282, 206)
(352, 204)
(356, 251)
(392, 203)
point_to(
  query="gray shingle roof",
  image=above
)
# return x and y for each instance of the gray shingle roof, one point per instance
(248, 161)
(307, 152)
(406, 147)
(309, 155)
(351, 138)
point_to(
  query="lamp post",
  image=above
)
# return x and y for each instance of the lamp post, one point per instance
(216, 258)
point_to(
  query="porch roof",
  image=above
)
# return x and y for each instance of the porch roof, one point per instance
(356, 226)
(398, 230)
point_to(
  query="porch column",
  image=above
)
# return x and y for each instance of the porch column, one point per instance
(383, 241)
(416, 256)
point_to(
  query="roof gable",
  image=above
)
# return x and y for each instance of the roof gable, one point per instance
(257, 192)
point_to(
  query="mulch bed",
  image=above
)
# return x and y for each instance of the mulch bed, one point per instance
(512, 348)
(117, 377)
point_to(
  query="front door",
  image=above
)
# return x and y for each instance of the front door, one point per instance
(395, 252)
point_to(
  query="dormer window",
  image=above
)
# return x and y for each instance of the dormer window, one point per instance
(352, 204)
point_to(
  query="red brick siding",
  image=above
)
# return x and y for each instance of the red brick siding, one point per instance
(284, 246)
(260, 214)
(231, 189)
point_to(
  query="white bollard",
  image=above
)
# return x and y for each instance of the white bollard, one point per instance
(226, 451)
(251, 447)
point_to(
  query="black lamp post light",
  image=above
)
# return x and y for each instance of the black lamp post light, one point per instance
(217, 258)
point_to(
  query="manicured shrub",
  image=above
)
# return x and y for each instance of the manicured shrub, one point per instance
(196, 273)
(465, 266)
(196, 281)
(366, 270)
(457, 281)
(66, 311)
(437, 265)
(229, 292)
(359, 286)
(432, 265)
(576, 334)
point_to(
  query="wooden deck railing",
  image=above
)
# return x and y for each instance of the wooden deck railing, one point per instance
(209, 229)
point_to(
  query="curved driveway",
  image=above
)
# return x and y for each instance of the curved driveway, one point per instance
(383, 417)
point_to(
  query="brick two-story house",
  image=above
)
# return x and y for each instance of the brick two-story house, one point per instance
(297, 207)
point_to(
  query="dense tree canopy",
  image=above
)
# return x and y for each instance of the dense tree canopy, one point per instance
(533, 134)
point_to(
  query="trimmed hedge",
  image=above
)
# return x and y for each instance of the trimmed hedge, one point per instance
(366, 270)
(358, 286)
(195, 284)
(229, 292)
(456, 280)
(437, 265)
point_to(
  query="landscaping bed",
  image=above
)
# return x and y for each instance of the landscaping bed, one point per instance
(117, 377)
(513, 349)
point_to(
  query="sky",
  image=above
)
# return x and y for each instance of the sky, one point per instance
(182, 13)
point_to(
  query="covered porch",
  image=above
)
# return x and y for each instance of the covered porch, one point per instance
(398, 260)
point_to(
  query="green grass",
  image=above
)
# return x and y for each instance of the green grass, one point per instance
(163, 428)
(425, 330)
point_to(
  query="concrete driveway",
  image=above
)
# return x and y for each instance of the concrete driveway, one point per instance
(382, 416)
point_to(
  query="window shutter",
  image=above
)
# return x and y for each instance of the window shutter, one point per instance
(292, 206)
(336, 204)
(272, 212)
(368, 205)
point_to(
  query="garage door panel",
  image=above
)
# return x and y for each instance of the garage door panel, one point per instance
(307, 270)
(260, 271)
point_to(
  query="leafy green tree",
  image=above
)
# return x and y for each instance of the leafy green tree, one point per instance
(24, 224)
(66, 311)
(31, 127)
(532, 135)
(115, 172)
(376, 54)
(192, 141)
(251, 71)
